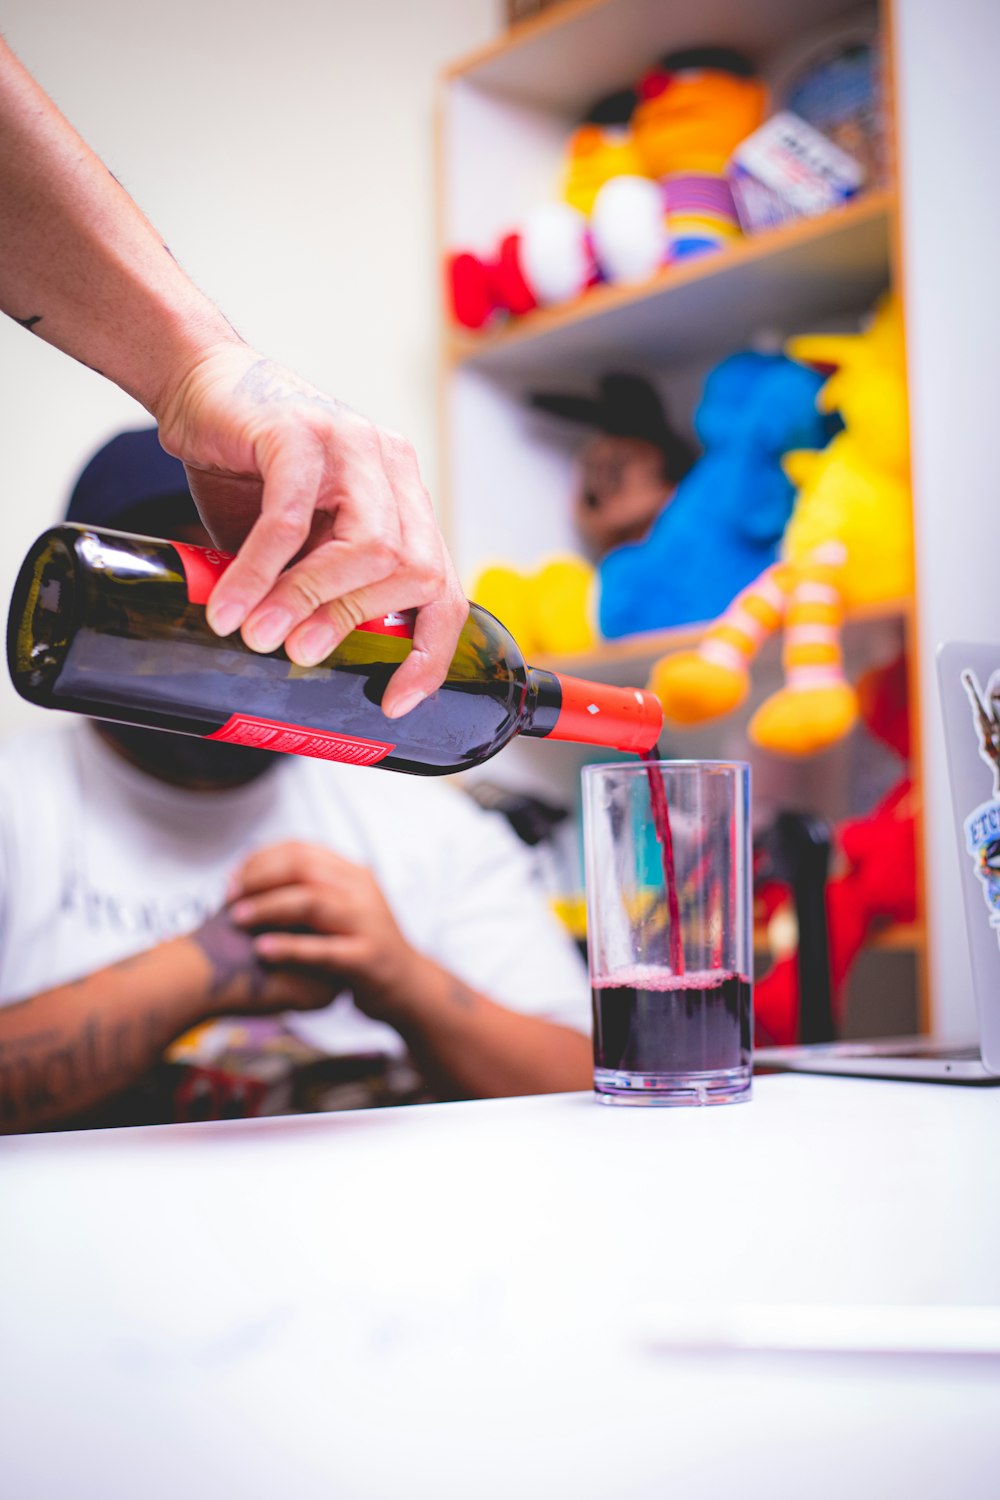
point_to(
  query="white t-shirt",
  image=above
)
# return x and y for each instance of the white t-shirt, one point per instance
(99, 860)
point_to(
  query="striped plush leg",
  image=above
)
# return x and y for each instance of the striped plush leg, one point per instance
(715, 678)
(817, 706)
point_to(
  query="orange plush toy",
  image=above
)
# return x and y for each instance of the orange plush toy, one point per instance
(877, 885)
(695, 107)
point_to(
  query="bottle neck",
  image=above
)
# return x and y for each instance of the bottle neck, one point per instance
(558, 707)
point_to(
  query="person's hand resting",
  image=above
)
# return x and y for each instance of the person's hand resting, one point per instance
(313, 909)
(309, 909)
(281, 472)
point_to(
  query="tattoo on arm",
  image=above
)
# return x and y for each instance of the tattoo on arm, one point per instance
(265, 382)
(231, 953)
(462, 995)
(51, 1074)
(29, 323)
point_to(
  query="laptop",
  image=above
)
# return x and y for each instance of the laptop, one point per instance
(969, 689)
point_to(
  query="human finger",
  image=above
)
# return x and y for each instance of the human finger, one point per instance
(308, 950)
(441, 605)
(293, 470)
(292, 906)
(337, 585)
(290, 863)
(363, 543)
(436, 631)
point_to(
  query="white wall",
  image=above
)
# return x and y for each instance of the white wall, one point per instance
(950, 115)
(285, 152)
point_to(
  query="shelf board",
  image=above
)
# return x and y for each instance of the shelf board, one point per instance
(784, 279)
(902, 937)
(624, 661)
(565, 58)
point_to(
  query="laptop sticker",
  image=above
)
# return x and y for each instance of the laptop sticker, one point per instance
(982, 826)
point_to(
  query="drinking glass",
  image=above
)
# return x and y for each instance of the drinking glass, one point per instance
(669, 930)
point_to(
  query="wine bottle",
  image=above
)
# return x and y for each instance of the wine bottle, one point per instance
(114, 626)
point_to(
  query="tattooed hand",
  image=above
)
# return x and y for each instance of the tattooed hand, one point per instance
(241, 983)
(310, 907)
(290, 476)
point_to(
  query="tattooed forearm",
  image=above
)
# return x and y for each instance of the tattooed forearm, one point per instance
(231, 953)
(29, 323)
(54, 1073)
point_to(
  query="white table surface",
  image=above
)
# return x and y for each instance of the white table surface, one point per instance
(454, 1300)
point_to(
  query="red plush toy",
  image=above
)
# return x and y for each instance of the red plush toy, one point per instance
(877, 888)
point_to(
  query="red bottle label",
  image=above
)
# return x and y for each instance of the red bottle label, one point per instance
(296, 739)
(203, 567)
(395, 624)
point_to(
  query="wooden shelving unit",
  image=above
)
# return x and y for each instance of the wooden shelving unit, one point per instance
(807, 271)
(505, 114)
(630, 658)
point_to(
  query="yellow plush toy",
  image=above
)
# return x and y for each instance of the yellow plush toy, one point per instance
(600, 149)
(549, 612)
(849, 543)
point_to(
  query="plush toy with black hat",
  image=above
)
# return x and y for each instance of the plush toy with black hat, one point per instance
(629, 466)
(631, 463)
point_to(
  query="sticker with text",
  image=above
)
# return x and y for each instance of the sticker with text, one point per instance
(296, 739)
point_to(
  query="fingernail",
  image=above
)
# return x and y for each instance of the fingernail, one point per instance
(313, 645)
(241, 911)
(405, 705)
(267, 631)
(226, 618)
(233, 887)
(266, 944)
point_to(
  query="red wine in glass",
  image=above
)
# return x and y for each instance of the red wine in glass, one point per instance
(649, 1023)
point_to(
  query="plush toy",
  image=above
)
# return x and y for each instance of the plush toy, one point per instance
(548, 610)
(631, 464)
(601, 147)
(849, 543)
(728, 513)
(552, 257)
(548, 261)
(877, 884)
(643, 182)
(694, 108)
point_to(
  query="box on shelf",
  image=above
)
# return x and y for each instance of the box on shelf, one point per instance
(787, 170)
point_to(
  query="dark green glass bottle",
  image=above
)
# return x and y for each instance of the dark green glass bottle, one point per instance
(113, 626)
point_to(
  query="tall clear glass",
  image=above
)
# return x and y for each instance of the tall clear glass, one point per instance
(669, 930)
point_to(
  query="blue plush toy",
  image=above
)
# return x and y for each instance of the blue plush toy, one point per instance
(727, 516)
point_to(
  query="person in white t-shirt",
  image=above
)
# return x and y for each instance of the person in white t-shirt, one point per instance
(150, 881)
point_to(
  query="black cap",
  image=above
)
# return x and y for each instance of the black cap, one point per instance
(131, 475)
(624, 406)
(612, 109)
(714, 59)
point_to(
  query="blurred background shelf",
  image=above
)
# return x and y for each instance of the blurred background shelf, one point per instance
(800, 274)
(505, 114)
(565, 58)
(627, 662)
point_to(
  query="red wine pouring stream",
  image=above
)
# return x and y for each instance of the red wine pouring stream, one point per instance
(661, 823)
